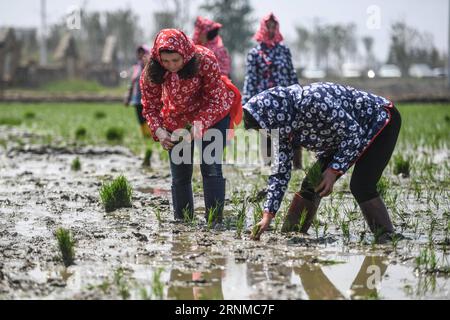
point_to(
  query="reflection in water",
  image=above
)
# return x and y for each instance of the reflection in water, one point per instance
(365, 285)
(369, 277)
(316, 284)
(196, 285)
(229, 279)
(185, 285)
(155, 191)
(219, 284)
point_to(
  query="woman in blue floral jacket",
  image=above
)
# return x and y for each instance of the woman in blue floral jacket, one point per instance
(344, 126)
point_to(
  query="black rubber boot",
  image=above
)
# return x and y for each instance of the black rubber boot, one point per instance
(298, 206)
(297, 160)
(377, 217)
(214, 193)
(183, 201)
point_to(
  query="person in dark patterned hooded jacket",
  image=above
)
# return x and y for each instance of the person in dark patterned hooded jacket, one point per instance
(269, 64)
(345, 127)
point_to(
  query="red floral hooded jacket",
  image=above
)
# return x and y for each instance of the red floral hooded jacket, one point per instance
(204, 99)
(203, 26)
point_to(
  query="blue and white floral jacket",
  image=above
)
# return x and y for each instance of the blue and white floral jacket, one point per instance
(330, 119)
(267, 68)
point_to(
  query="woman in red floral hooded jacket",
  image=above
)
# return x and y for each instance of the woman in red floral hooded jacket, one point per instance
(206, 33)
(182, 88)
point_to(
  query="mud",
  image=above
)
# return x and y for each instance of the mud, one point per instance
(120, 254)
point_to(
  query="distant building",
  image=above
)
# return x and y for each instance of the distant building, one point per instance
(106, 71)
(9, 56)
(66, 55)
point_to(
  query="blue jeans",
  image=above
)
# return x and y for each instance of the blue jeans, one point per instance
(182, 173)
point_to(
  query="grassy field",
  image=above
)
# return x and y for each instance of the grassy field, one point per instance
(85, 124)
(73, 86)
(424, 125)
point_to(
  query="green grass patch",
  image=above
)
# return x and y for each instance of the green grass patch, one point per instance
(99, 115)
(29, 115)
(402, 165)
(10, 122)
(116, 195)
(80, 133)
(76, 164)
(66, 246)
(115, 134)
(147, 157)
(63, 119)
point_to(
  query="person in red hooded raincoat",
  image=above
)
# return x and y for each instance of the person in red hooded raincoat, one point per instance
(182, 87)
(206, 33)
(269, 64)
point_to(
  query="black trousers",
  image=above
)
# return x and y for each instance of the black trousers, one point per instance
(139, 115)
(369, 167)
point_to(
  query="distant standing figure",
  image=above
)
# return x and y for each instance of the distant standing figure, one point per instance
(133, 96)
(269, 64)
(206, 33)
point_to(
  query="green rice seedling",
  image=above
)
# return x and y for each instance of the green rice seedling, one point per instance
(66, 246)
(416, 229)
(116, 194)
(316, 227)
(114, 134)
(302, 219)
(99, 115)
(402, 165)
(157, 285)
(76, 164)
(158, 215)
(144, 294)
(345, 227)
(240, 222)
(80, 133)
(227, 222)
(147, 157)
(427, 260)
(277, 222)
(314, 175)
(417, 186)
(395, 239)
(436, 202)
(104, 286)
(383, 185)
(29, 115)
(255, 230)
(325, 229)
(188, 217)
(373, 295)
(447, 232)
(212, 215)
(257, 212)
(10, 122)
(122, 284)
(431, 230)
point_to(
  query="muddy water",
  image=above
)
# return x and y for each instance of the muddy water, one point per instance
(39, 193)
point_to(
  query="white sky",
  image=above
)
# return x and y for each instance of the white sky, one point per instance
(426, 15)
